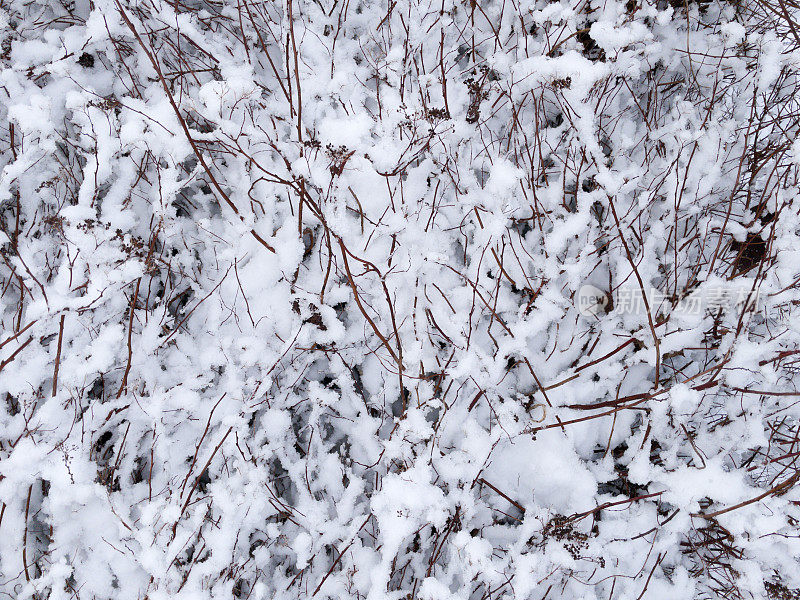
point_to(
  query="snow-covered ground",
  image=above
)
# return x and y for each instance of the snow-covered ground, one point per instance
(399, 300)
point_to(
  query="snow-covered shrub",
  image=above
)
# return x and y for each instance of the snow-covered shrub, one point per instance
(293, 299)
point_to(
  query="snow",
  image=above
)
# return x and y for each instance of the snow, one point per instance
(546, 472)
(290, 300)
